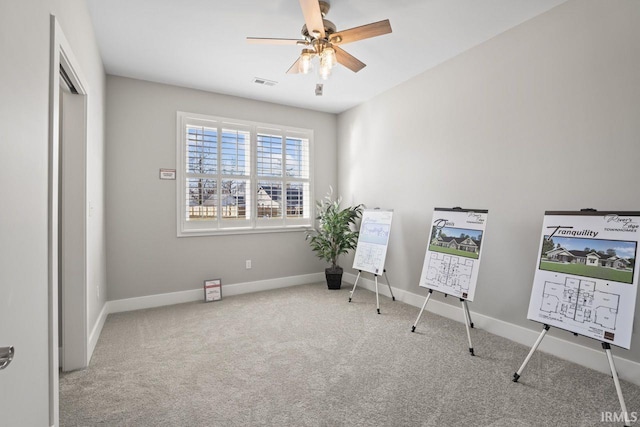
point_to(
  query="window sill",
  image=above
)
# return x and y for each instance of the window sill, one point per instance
(238, 231)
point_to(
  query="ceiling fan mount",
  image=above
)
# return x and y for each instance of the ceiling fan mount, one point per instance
(321, 38)
(329, 29)
(324, 7)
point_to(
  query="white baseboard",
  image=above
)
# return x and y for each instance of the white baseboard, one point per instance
(585, 356)
(264, 285)
(159, 300)
(96, 331)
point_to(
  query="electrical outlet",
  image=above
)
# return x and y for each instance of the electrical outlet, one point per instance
(248, 264)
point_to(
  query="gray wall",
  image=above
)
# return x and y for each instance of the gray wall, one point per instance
(24, 124)
(144, 255)
(542, 117)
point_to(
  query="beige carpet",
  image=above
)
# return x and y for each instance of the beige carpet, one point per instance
(304, 356)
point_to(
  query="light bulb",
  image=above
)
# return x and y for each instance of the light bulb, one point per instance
(329, 56)
(327, 61)
(305, 62)
(325, 70)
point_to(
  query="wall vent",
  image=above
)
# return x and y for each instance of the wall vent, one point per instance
(264, 82)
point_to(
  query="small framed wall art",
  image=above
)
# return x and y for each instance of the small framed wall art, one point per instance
(167, 174)
(212, 290)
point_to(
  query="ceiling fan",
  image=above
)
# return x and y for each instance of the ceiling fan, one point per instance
(321, 39)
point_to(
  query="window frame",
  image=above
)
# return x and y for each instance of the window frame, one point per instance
(253, 224)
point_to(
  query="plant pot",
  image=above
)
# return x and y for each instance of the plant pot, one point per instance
(334, 277)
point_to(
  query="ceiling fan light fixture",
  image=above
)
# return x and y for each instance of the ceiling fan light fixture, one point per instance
(327, 61)
(305, 61)
(325, 70)
(319, 36)
(328, 56)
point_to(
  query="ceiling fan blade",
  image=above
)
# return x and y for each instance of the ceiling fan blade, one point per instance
(363, 32)
(295, 68)
(312, 17)
(348, 60)
(265, 40)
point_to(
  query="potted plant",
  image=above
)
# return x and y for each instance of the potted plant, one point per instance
(334, 235)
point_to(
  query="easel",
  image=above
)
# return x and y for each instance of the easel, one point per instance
(375, 277)
(465, 307)
(465, 311)
(607, 349)
(605, 346)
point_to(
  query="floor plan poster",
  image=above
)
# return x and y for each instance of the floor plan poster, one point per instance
(372, 241)
(453, 254)
(586, 277)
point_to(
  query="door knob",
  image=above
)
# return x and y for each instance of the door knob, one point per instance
(6, 356)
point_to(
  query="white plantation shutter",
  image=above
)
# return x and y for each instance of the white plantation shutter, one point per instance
(269, 157)
(283, 171)
(238, 176)
(201, 169)
(235, 176)
(297, 167)
(269, 171)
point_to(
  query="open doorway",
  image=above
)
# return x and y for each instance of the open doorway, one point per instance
(68, 338)
(72, 275)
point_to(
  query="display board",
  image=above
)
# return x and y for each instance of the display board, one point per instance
(586, 277)
(454, 250)
(373, 240)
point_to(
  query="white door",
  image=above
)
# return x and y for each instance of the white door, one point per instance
(24, 289)
(24, 398)
(29, 225)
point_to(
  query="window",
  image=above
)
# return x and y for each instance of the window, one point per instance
(236, 176)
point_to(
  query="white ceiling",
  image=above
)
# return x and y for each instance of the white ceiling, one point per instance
(201, 44)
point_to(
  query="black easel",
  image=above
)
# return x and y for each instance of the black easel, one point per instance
(375, 277)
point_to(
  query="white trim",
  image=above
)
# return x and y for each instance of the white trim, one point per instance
(150, 301)
(595, 359)
(245, 230)
(60, 53)
(96, 331)
(52, 232)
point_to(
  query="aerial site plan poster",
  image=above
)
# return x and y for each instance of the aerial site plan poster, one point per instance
(372, 241)
(586, 277)
(453, 254)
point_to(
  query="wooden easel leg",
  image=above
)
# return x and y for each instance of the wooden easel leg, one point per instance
(413, 328)
(354, 285)
(614, 373)
(516, 376)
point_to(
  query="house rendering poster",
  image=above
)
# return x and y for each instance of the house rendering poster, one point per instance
(454, 250)
(586, 276)
(373, 239)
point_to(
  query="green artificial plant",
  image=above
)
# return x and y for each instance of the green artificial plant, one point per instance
(334, 235)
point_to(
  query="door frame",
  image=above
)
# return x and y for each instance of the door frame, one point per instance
(74, 327)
